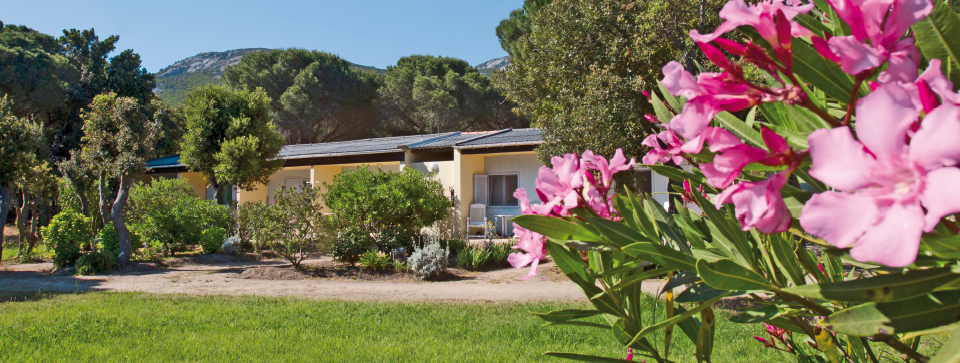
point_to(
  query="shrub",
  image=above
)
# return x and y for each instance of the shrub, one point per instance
(66, 233)
(499, 252)
(394, 238)
(231, 246)
(292, 227)
(430, 261)
(378, 201)
(473, 257)
(250, 219)
(212, 238)
(107, 241)
(352, 242)
(376, 260)
(96, 262)
(167, 211)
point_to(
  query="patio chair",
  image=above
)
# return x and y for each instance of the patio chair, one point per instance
(477, 219)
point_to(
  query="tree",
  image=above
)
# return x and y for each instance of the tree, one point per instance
(315, 96)
(230, 137)
(427, 94)
(19, 146)
(33, 72)
(579, 68)
(118, 139)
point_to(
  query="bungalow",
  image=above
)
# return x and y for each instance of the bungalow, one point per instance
(476, 167)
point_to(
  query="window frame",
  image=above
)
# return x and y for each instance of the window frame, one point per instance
(506, 193)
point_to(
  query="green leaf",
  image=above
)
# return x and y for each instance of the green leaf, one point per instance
(882, 288)
(584, 357)
(567, 261)
(821, 73)
(689, 327)
(757, 315)
(938, 37)
(668, 227)
(569, 314)
(728, 275)
(945, 245)
(949, 350)
(825, 344)
(701, 292)
(556, 228)
(638, 278)
(727, 228)
(660, 109)
(677, 318)
(739, 128)
(580, 323)
(662, 255)
(786, 260)
(904, 316)
(617, 233)
(624, 330)
(671, 99)
(626, 267)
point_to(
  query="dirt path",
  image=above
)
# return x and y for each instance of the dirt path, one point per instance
(225, 279)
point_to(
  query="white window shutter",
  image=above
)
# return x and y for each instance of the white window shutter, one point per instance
(480, 190)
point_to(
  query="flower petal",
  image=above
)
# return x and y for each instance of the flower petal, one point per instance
(935, 144)
(855, 57)
(895, 239)
(883, 118)
(839, 160)
(679, 82)
(839, 218)
(695, 117)
(938, 196)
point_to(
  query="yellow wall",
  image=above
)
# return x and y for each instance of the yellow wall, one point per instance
(465, 167)
(320, 174)
(196, 181)
(259, 194)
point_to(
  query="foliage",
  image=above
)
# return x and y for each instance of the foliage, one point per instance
(231, 246)
(230, 137)
(293, 226)
(426, 94)
(430, 261)
(34, 74)
(378, 201)
(96, 262)
(250, 219)
(212, 239)
(579, 68)
(295, 79)
(170, 216)
(376, 261)
(67, 232)
(499, 253)
(107, 242)
(473, 257)
(352, 242)
(755, 208)
(394, 238)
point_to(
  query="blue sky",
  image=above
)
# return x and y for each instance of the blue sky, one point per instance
(373, 33)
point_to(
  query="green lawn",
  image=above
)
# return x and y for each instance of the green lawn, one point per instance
(145, 327)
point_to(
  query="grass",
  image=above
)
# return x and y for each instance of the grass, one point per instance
(145, 327)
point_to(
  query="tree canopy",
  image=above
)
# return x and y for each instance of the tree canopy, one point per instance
(315, 96)
(427, 94)
(579, 68)
(34, 73)
(230, 136)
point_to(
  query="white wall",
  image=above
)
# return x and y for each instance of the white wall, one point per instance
(525, 165)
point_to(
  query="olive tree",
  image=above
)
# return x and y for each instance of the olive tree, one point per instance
(19, 145)
(230, 137)
(118, 139)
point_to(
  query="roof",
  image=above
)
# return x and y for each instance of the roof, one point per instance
(385, 145)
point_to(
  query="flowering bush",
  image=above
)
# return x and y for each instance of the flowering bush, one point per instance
(853, 151)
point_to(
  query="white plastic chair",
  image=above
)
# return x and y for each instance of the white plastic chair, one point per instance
(477, 219)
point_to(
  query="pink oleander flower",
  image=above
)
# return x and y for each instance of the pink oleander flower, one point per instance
(617, 164)
(890, 186)
(629, 353)
(559, 186)
(734, 156)
(877, 27)
(761, 16)
(759, 204)
(528, 241)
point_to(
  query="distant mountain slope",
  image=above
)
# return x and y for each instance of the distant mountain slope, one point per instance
(174, 81)
(487, 68)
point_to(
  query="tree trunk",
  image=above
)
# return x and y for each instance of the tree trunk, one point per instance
(123, 234)
(104, 200)
(22, 231)
(5, 202)
(84, 203)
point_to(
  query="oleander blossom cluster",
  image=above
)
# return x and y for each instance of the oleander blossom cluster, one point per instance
(571, 183)
(889, 184)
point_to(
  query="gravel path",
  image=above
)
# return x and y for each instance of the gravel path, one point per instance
(225, 279)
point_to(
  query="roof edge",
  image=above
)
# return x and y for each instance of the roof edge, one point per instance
(484, 136)
(413, 145)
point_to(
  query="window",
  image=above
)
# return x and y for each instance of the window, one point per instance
(644, 181)
(501, 188)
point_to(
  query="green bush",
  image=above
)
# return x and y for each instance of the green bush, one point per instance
(292, 227)
(107, 241)
(352, 242)
(212, 238)
(66, 233)
(171, 217)
(393, 238)
(378, 201)
(95, 262)
(375, 260)
(499, 252)
(473, 257)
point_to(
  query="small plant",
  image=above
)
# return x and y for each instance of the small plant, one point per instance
(211, 239)
(430, 261)
(96, 262)
(352, 242)
(65, 234)
(499, 252)
(231, 246)
(473, 257)
(107, 241)
(376, 261)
